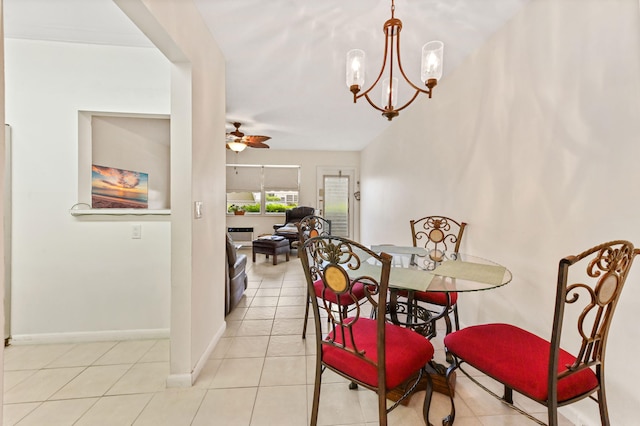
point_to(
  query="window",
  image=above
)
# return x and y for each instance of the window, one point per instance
(262, 189)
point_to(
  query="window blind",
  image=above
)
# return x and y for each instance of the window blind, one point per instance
(244, 178)
(281, 178)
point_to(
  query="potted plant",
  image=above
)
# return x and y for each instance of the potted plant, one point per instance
(236, 209)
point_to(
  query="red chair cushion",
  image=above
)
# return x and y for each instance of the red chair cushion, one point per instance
(344, 300)
(518, 359)
(406, 353)
(434, 297)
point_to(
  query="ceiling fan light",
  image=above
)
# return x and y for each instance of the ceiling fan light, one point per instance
(432, 54)
(236, 146)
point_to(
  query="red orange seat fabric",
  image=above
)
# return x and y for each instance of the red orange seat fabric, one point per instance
(519, 359)
(406, 353)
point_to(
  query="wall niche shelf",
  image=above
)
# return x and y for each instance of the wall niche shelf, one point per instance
(119, 212)
(130, 142)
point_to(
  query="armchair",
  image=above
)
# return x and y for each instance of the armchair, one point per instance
(236, 276)
(289, 229)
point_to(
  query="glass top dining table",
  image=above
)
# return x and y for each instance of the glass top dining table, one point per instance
(418, 269)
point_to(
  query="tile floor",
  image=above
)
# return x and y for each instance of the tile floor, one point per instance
(261, 373)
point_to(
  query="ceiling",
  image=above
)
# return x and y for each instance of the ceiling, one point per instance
(286, 58)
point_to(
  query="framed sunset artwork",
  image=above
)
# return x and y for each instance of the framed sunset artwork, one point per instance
(113, 188)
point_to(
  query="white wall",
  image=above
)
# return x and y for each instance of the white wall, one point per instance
(197, 174)
(3, 232)
(309, 161)
(534, 142)
(79, 277)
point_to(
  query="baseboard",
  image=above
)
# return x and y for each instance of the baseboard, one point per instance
(180, 380)
(89, 336)
(185, 380)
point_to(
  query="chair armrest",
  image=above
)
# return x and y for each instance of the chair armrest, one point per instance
(239, 266)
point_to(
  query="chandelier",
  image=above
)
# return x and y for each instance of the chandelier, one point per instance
(431, 70)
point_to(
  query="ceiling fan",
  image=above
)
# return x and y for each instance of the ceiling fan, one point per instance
(237, 141)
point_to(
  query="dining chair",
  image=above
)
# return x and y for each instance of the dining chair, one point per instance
(362, 347)
(439, 235)
(309, 227)
(570, 366)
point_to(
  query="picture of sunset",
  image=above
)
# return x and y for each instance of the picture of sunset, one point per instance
(118, 189)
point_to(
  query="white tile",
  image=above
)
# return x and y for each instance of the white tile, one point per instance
(264, 301)
(289, 345)
(282, 326)
(237, 314)
(221, 349)
(127, 352)
(58, 413)
(480, 402)
(231, 328)
(173, 407)
(292, 300)
(260, 312)
(32, 357)
(160, 351)
(295, 281)
(327, 377)
(207, 373)
(255, 328)
(12, 378)
(505, 420)
(142, 378)
(248, 347)
(119, 410)
(83, 354)
(293, 291)
(338, 404)
(41, 385)
(227, 407)
(284, 370)
(280, 405)
(94, 381)
(13, 413)
(238, 372)
(275, 283)
(290, 312)
(267, 292)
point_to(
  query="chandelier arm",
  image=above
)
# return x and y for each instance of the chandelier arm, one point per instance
(415, 95)
(428, 92)
(384, 64)
(366, 96)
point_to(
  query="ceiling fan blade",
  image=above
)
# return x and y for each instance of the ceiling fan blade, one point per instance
(252, 141)
(257, 145)
(255, 139)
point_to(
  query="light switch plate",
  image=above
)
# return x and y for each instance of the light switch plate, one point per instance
(197, 209)
(136, 232)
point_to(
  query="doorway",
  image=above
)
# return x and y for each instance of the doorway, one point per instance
(335, 201)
